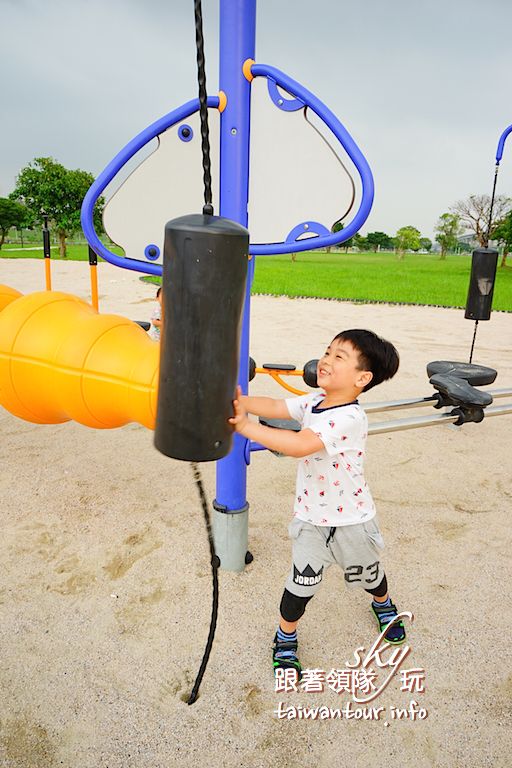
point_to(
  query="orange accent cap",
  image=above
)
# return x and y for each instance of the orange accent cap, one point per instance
(246, 69)
(223, 101)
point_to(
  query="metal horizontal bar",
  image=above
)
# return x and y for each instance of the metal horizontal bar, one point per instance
(500, 392)
(419, 402)
(497, 410)
(435, 419)
(399, 425)
(413, 402)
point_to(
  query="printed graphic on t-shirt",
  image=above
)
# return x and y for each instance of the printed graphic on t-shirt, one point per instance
(331, 489)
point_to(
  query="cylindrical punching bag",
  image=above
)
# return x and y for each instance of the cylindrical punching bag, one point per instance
(203, 290)
(481, 284)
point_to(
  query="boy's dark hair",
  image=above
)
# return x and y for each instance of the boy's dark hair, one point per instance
(158, 292)
(375, 354)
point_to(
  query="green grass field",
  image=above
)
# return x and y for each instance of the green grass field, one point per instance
(417, 279)
(74, 252)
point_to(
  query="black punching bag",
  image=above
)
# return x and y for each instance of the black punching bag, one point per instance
(203, 291)
(481, 284)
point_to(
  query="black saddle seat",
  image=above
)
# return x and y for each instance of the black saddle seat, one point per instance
(143, 324)
(459, 392)
(278, 367)
(281, 423)
(476, 375)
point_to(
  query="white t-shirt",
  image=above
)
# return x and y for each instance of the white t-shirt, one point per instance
(154, 331)
(331, 489)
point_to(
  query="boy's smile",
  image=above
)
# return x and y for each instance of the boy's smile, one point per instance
(338, 371)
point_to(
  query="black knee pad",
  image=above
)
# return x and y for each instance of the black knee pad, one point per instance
(381, 590)
(292, 607)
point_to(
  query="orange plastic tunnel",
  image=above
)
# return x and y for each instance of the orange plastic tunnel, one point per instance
(61, 360)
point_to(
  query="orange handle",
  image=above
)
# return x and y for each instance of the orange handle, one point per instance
(276, 374)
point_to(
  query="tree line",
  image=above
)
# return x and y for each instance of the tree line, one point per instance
(47, 188)
(469, 216)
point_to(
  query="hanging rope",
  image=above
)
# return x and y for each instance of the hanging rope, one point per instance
(488, 234)
(473, 342)
(215, 583)
(207, 211)
(203, 110)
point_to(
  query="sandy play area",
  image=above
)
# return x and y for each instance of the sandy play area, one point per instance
(105, 582)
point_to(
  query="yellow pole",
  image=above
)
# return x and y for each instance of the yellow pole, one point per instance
(93, 261)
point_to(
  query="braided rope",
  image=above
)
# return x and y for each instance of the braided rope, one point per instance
(203, 110)
(215, 584)
(207, 211)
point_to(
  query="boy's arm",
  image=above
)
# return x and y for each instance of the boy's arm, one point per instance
(296, 444)
(264, 406)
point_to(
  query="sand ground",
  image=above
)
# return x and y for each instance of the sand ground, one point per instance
(105, 583)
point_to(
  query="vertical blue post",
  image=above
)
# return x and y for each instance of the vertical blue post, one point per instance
(237, 44)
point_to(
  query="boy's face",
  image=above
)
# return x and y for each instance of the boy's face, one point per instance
(338, 370)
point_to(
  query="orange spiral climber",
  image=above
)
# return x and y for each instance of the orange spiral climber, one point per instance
(61, 360)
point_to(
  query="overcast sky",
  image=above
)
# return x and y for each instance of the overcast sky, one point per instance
(425, 88)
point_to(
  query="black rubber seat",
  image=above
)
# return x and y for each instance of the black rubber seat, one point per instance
(459, 392)
(278, 367)
(281, 423)
(476, 375)
(143, 324)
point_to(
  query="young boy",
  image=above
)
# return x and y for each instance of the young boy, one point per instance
(334, 514)
(156, 317)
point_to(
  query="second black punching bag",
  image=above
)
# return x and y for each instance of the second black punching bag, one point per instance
(203, 287)
(481, 284)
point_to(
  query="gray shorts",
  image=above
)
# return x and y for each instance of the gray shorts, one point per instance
(356, 548)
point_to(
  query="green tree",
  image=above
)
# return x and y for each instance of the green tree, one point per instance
(407, 239)
(378, 240)
(346, 244)
(502, 232)
(337, 227)
(360, 242)
(448, 229)
(45, 185)
(12, 214)
(426, 244)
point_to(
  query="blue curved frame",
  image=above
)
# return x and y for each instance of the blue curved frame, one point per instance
(122, 157)
(262, 249)
(351, 148)
(501, 144)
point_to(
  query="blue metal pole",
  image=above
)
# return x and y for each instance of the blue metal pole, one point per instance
(237, 44)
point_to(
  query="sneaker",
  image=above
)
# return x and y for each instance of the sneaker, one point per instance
(385, 616)
(284, 656)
